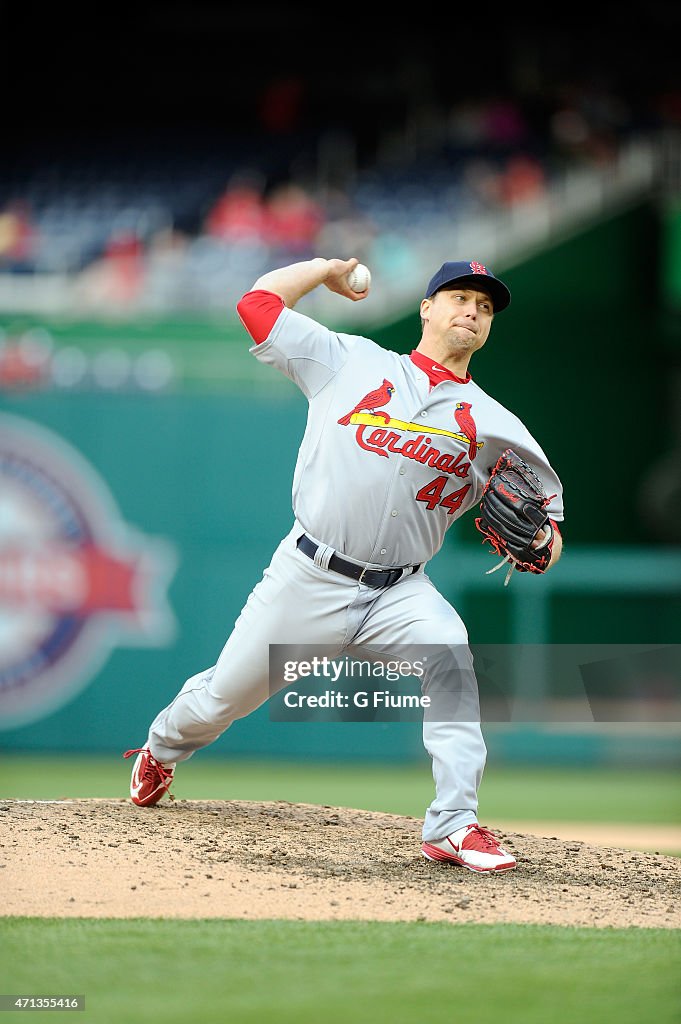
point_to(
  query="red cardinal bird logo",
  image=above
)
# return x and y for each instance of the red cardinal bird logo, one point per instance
(371, 402)
(466, 423)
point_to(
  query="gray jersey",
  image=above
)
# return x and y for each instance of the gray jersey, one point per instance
(387, 463)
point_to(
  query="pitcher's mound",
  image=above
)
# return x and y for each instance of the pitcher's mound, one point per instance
(240, 859)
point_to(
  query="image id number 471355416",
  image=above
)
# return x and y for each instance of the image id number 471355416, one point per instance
(41, 1002)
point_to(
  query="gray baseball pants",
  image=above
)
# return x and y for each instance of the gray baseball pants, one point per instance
(300, 602)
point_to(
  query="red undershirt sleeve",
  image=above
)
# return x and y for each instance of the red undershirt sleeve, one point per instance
(259, 311)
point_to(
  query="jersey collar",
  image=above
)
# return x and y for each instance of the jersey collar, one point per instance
(436, 372)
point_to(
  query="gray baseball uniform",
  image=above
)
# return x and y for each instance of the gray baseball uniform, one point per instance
(389, 460)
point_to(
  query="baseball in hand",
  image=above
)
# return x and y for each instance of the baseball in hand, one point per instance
(359, 279)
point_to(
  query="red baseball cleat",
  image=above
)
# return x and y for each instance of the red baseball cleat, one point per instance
(150, 779)
(473, 847)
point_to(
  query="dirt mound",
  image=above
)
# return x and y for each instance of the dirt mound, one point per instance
(188, 858)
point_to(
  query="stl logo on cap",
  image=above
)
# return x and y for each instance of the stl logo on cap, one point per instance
(478, 268)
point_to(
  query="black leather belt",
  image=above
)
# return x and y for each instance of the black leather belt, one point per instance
(375, 578)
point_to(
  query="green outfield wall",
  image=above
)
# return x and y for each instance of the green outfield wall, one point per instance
(186, 492)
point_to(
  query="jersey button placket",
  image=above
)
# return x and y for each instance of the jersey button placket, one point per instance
(385, 527)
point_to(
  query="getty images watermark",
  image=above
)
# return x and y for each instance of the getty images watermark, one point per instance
(488, 682)
(327, 672)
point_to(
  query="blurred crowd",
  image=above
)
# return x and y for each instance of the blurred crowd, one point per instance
(192, 237)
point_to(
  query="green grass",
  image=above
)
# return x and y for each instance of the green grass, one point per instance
(297, 972)
(636, 796)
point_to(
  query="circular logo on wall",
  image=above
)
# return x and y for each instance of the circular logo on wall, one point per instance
(75, 580)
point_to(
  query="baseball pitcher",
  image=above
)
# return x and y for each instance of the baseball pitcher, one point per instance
(396, 448)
